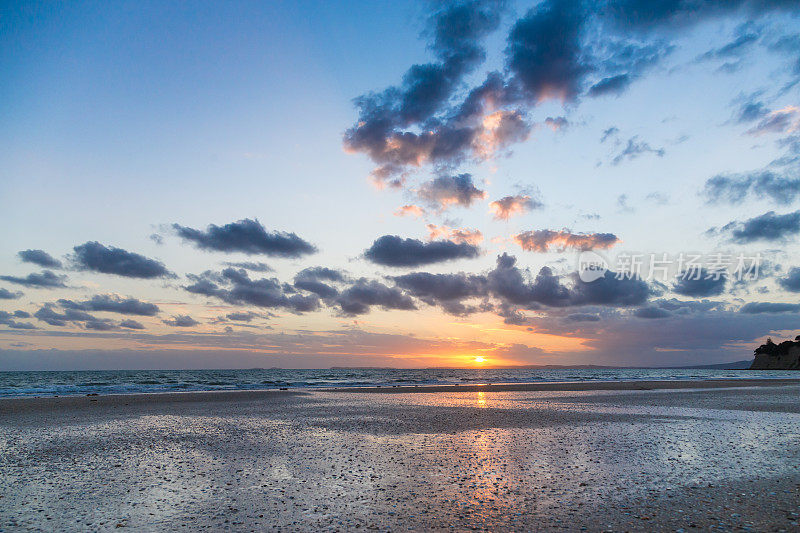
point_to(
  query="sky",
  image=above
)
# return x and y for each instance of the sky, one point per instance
(397, 184)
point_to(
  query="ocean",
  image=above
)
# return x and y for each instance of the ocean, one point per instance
(70, 383)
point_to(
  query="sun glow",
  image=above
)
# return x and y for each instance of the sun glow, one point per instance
(480, 359)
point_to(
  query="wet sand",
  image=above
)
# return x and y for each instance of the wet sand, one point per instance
(635, 456)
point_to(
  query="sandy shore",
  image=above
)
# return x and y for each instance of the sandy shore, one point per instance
(634, 456)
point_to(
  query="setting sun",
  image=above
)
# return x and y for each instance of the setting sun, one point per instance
(480, 359)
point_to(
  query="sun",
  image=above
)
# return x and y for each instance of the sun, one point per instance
(480, 359)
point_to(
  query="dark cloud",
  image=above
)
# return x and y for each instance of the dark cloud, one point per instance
(699, 282)
(246, 236)
(44, 280)
(131, 324)
(582, 317)
(780, 121)
(314, 280)
(636, 148)
(557, 123)
(49, 314)
(250, 265)
(512, 285)
(766, 227)
(753, 308)
(651, 312)
(386, 119)
(363, 294)
(750, 111)
(113, 304)
(608, 133)
(391, 250)
(242, 317)
(612, 85)
(544, 51)
(39, 257)
(6, 294)
(792, 280)
(647, 15)
(10, 320)
(446, 290)
(546, 240)
(746, 36)
(234, 286)
(559, 49)
(445, 191)
(181, 321)
(110, 260)
(734, 188)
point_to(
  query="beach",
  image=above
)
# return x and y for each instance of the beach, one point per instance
(611, 456)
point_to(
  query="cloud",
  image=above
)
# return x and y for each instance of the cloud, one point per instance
(9, 319)
(791, 282)
(750, 111)
(50, 315)
(250, 265)
(246, 236)
(766, 227)
(447, 290)
(745, 38)
(545, 240)
(699, 282)
(242, 317)
(113, 304)
(651, 312)
(363, 294)
(234, 286)
(612, 85)
(555, 51)
(786, 120)
(608, 133)
(110, 260)
(458, 235)
(646, 15)
(634, 149)
(386, 119)
(44, 280)
(753, 308)
(409, 210)
(313, 280)
(6, 294)
(39, 257)
(394, 251)
(507, 282)
(510, 206)
(544, 51)
(582, 317)
(734, 188)
(556, 123)
(445, 191)
(181, 321)
(131, 324)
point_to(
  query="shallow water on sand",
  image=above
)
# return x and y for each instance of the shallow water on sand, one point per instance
(619, 460)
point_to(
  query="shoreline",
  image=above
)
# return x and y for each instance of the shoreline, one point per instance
(7, 404)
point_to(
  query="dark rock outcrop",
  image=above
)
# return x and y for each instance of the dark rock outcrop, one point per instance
(783, 356)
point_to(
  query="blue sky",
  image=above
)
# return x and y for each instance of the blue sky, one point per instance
(121, 120)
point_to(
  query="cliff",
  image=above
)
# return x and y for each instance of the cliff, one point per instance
(783, 356)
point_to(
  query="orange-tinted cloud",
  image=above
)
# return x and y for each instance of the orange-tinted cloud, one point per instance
(509, 206)
(469, 236)
(545, 240)
(409, 210)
